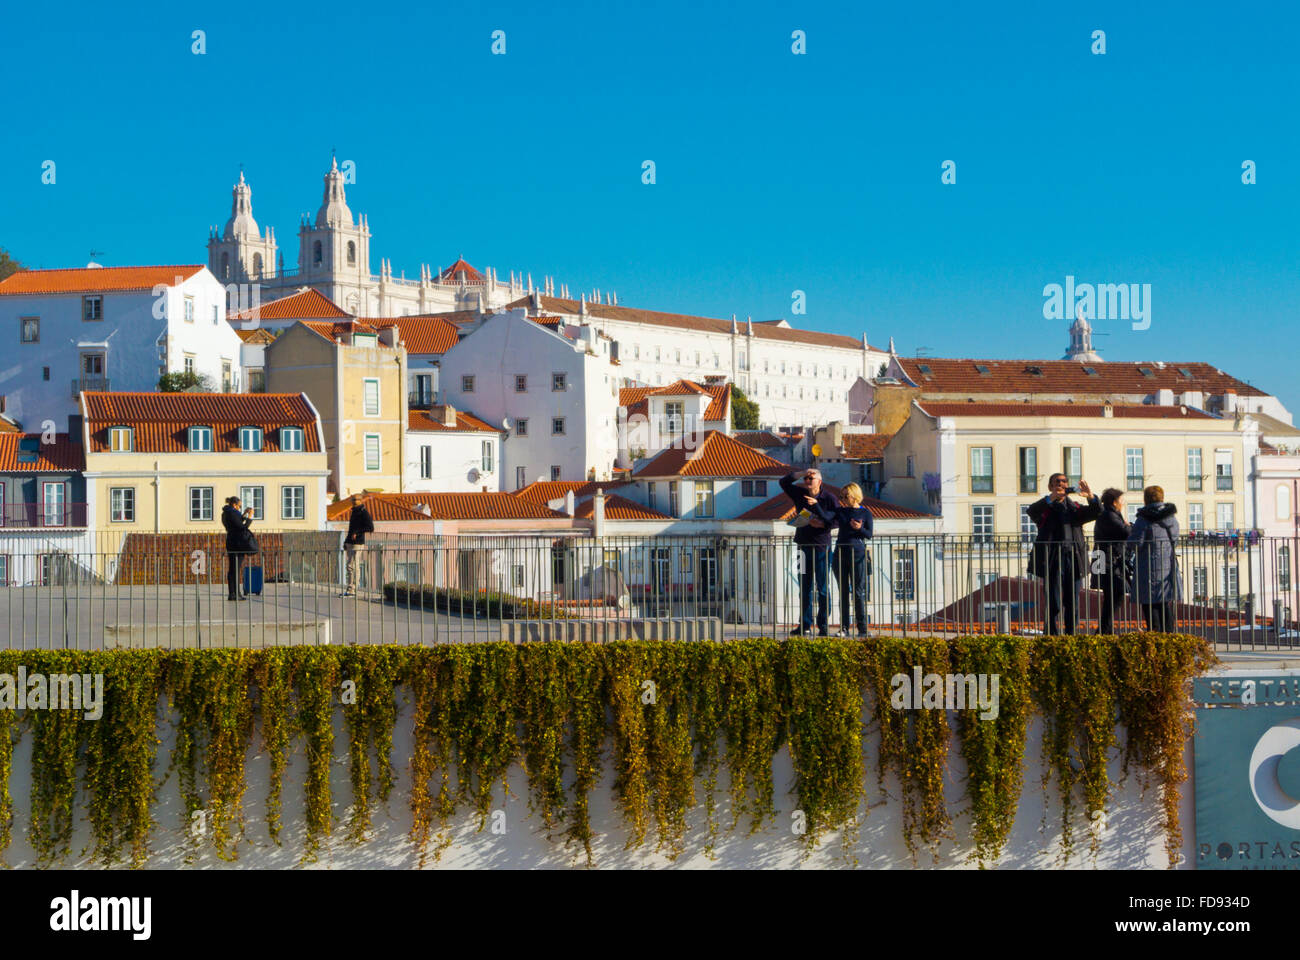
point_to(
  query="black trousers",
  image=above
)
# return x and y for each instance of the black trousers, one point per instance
(1062, 594)
(851, 574)
(1160, 617)
(1112, 598)
(234, 567)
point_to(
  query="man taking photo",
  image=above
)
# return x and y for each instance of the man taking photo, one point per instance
(1060, 555)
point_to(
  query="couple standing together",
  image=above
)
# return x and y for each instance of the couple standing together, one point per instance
(813, 539)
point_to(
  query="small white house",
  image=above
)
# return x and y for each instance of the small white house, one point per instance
(110, 328)
(450, 450)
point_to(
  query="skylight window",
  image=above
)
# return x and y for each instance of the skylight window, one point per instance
(1146, 372)
(1186, 373)
(924, 368)
(982, 369)
(1091, 371)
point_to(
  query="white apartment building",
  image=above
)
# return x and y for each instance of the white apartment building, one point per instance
(553, 388)
(453, 451)
(110, 328)
(653, 418)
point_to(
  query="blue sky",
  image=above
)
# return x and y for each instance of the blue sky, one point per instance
(775, 172)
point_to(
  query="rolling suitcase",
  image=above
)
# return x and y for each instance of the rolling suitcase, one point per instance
(253, 580)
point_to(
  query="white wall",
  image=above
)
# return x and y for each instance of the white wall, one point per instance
(455, 458)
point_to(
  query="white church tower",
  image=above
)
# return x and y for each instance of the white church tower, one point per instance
(240, 253)
(1081, 341)
(334, 252)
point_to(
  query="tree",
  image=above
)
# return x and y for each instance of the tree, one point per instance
(744, 411)
(8, 264)
(184, 380)
(884, 370)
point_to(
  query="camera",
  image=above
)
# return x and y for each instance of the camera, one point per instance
(1071, 489)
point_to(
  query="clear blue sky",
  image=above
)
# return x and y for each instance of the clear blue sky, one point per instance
(775, 172)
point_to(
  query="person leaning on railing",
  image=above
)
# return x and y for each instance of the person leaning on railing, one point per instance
(240, 543)
(1109, 535)
(359, 524)
(1060, 553)
(1157, 585)
(813, 539)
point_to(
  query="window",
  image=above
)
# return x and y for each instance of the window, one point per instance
(30, 328)
(521, 383)
(200, 503)
(1195, 517)
(1193, 468)
(487, 456)
(293, 503)
(1130, 511)
(1200, 583)
(250, 439)
(316, 252)
(189, 363)
(904, 573)
(1028, 529)
(291, 439)
(4, 570)
(673, 505)
(1230, 577)
(658, 353)
(1282, 502)
(200, 439)
(981, 523)
(92, 307)
(371, 398)
(45, 373)
(981, 469)
(120, 439)
(521, 427)
(352, 253)
(1284, 568)
(704, 498)
(426, 462)
(673, 417)
(252, 498)
(54, 498)
(911, 465)
(559, 381)
(1223, 469)
(466, 384)
(1028, 457)
(227, 379)
(555, 473)
(121, 504)
(636, 351)
(650, 496)
(557, 426)
(189, 309)
(216, 315)
(521, 477)
(687, 564)
(372, 460)
(517, 575)
(1223, 515)
(753, 488)
(1133, 467)
(1072, 464)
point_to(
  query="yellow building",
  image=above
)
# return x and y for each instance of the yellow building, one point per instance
(166, 462)
(355, 377)
(981, 464)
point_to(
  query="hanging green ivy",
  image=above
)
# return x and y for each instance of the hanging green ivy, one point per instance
(10, 731)
(370, 711)
(543, 706)
(58, 745)
(316, 681)
(585, 669)
(753, 681)
(273, 676)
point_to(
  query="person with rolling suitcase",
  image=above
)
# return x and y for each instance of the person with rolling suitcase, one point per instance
(240, 543)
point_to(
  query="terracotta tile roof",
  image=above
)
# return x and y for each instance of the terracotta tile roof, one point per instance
(95, 279)
(61, 455)
(1068, 377)
(863, 446)
(544, 491)
(760, 439)
(718, 455)
(1133, 411)
(8, 426)
(468, 274)
(719, 409)
(306, 304)
(450, 506)
(422, 334)
(336, 330)
(255, 335)
(381, 507)
(762, 331)
(637, 403)
(618, 508)
(162, 420)
(466, 422)
(780, 508)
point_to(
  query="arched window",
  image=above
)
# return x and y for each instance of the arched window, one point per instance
(316, 256)
(225, 266)
(352, 253)
(257, 264)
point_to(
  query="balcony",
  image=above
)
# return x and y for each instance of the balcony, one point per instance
(1223, 482)
(40, 516)
(420, 399)
(93, 384)
(1028, 484)
(1193, 482)
(1133, 482)
(981, 483)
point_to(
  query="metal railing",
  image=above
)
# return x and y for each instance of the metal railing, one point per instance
(41, 515)
(89, 384)
(103, 589)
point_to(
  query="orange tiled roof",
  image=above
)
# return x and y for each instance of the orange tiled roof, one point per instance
(162, 420)
(544, 491)
(760, 439)
(717, 456)
(450, 506)
(465, 422)
(1134, 411)
(861, 446)
(307, 304)
(1068, 377)
(780, 508)
(618, 508)
(61, 455)
(762, 331)
(8, 426)
(636, 399)
(469, 274)
(95, 279)
(423, 334)
(255, 335)
(336, 330)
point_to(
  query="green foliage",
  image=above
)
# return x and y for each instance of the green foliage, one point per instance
(8, 265)
(744, 411)
(470, 603)
(184, 380)
(675, 714)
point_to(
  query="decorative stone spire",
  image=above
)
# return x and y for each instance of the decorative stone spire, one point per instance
(334, 210)
(1080, 348)
(241, 222)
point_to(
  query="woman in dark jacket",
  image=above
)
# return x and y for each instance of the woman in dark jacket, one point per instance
(1156, 583)
(239, 543)
(1109, 536)
(852, 561)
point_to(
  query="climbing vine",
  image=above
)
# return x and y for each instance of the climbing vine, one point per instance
(316, 678)
(370, 711)
(752, 678)
(274, 688)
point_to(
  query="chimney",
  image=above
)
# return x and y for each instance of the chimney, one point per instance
(568, 503)
(598, 513)
(1165, 397)
(443, 413)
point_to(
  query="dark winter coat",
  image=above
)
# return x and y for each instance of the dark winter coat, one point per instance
(1109, 535)
(239, 539)
(1060, 533)
(823, 510)
(1154, 540)
(359, 524)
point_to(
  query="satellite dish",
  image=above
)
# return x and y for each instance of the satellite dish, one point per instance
(473, 475)
(505, 423)
(816, 449)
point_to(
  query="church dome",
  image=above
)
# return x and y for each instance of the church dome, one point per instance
(241, 222)
(334, 210)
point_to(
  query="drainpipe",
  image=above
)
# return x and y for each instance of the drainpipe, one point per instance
(157, 495)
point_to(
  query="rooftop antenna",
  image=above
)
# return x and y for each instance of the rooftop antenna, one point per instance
(922, 351)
